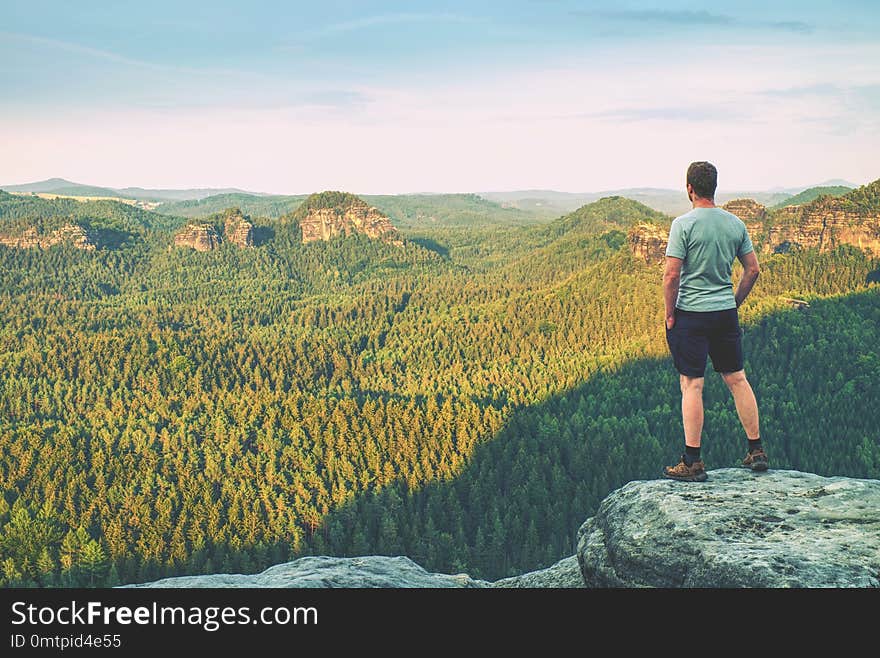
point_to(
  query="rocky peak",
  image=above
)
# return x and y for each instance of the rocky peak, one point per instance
(329, 214)
(199, 236)
(237, 228)
(75, 234)
(828, 222)
(648, 241)
(747, 210)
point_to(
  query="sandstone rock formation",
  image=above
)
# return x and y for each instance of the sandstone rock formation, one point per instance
(237, 229)
(201, 237)
(329, 214)
(748, 210)
(825, 224)
(648, 241)
(75, 234)
(369, 571)
(738, 529)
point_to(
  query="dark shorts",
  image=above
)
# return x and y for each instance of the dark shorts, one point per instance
(698, 334)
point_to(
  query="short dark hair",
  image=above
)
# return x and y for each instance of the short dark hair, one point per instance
(703, 177)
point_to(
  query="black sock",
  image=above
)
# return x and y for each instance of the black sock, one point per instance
(691, 455)
(754, 444)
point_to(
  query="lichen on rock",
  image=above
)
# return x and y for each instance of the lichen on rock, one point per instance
(738, 529)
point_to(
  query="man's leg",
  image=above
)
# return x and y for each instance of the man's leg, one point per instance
(692, 409)
(689, 346)
(746, 405)
(691, 467)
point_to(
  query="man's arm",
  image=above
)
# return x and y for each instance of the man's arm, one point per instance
(751, 270)
(671, 279)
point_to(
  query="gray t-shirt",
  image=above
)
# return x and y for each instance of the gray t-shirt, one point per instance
(707, 240)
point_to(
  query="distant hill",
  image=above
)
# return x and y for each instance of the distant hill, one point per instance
(48, 185)
(420, 210)
(831, 182)
(270, 206)
(406, 210)
(614, 212)
(68, 188)
(670, 202)
(181, 195)
(813, 193)
(109, 223)
(592, 233)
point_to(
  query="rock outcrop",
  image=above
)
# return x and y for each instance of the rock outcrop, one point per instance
(748, 210)
(824, 224)
(368, 571)
(329, 214)
(201, 237)
(648, 241)
(738, 529)
(75, 234)
(565, 574)
(237, 228)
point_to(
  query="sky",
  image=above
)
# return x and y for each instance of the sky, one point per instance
(462, 96)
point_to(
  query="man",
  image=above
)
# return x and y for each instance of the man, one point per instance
(702, 317)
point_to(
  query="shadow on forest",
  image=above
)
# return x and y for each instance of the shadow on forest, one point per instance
(109, 238)
(263, 234)
(873, 277)
(431, 245)
(518, 503)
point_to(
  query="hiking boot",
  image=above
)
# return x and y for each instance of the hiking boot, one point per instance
(757, 460)
(696, 472)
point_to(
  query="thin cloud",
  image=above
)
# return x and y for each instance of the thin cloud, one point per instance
(336, 98)
(682, 17)
(166, 87)
(826, 90)
(788, 26)
(381, 20)
(841, 109)
(109, 56)
(78, 49)
(693, 18)
(689, 114)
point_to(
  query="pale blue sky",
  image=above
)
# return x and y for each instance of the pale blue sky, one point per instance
(438, 96)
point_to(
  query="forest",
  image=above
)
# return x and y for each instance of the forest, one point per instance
(466, 400)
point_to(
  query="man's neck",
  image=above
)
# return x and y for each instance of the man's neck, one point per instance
(700, 202)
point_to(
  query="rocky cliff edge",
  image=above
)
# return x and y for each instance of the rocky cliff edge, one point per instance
(738, 529)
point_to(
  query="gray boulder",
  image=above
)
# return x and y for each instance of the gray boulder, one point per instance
(738, 529)
(564, 574)
(368, 571)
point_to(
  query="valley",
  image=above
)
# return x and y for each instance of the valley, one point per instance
(437, 376)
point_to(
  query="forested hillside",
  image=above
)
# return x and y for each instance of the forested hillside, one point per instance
(813, 193)
(466, 399)
(406, 210)
(263, 206)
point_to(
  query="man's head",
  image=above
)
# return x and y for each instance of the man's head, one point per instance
(702, 179)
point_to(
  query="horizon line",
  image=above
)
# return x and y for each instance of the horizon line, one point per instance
(648, 188)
